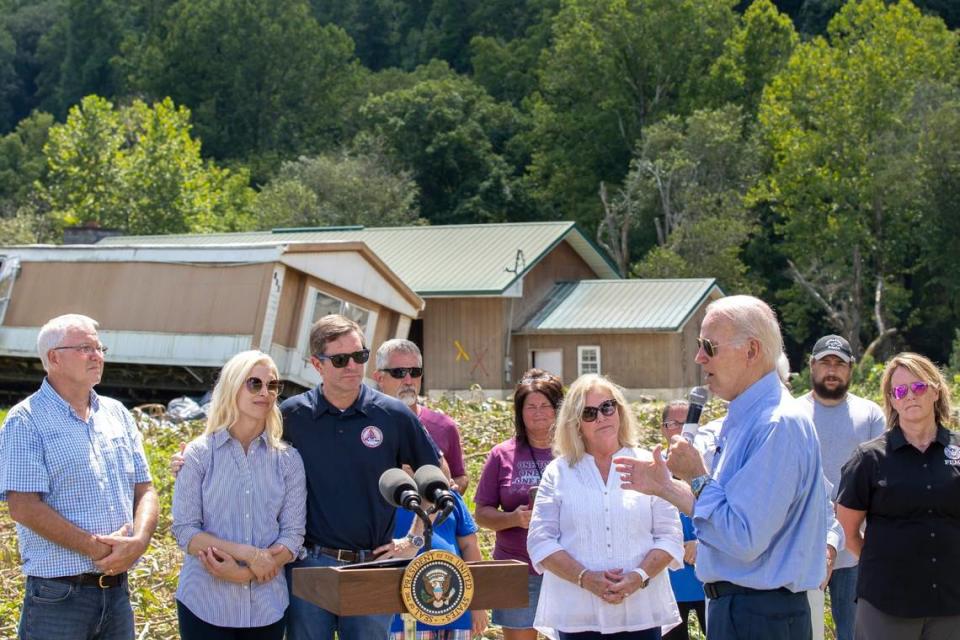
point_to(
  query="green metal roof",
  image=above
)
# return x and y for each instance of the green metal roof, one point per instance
(621, 306)
(478, 259)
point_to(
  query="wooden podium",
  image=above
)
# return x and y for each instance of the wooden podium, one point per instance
(354, 590)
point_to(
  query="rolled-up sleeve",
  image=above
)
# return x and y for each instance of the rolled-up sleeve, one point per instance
(293, 513)
(543, 537)
(187, 495)
(667, 531)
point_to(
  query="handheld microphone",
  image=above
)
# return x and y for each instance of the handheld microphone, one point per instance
(697, 398)
(433, 486)
(398, 489)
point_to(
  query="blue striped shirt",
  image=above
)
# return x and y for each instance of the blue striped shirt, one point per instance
(761, 523)
(258, 498)
(85, 470)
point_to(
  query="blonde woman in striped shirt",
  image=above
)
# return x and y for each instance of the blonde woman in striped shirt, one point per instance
(239, 510)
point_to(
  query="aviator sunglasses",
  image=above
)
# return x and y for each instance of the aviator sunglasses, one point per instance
(254, 385)
(607, 408)
(340, 360)
(711, 348)
(919, 388)
(401, 372)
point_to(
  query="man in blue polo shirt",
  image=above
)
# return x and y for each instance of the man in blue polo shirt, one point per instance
(347, 434)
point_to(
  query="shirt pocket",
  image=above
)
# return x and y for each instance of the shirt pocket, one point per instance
(123, 452)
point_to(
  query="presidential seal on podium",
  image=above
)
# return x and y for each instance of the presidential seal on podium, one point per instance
(437, 587)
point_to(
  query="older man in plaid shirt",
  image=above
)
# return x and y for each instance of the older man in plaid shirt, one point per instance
(73, 471)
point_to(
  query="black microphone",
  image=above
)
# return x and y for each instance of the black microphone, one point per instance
(433, 486)
(398, 489)
(697, 398)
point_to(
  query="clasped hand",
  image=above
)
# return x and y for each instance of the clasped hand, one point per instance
(612, 586)
(263, 564)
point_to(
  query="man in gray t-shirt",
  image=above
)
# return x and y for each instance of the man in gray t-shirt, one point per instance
(843, 421)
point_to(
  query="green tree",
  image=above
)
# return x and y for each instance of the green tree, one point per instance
(841, 122)
(456, 140)
(614, 68)
(339, 188)
(687, 181)
(758, 49)
(138, 169)
(27, 23)
(263, 79)
(22, 162)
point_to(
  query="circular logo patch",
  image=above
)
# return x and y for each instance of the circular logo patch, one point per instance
(437, 587)
(952, 451)
(371, 437)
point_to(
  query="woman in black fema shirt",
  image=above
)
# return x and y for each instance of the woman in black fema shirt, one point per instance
(906, 483)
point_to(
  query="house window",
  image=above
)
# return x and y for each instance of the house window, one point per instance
(325, 304)
(588, 360)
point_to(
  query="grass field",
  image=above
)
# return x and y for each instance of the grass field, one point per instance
(154, 579)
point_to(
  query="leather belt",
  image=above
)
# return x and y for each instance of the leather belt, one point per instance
(101, 580)
(716, 590)
(343, 555)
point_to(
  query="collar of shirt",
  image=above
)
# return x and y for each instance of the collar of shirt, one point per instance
(219, 438)
(898, 440)
(321, 405)
(48, 393)
(766, 390)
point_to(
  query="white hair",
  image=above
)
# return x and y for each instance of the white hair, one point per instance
(397, 345)
(783, 368)
(752, 318)
(52, 333)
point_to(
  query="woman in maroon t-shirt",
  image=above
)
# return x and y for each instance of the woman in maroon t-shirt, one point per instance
(508, 485)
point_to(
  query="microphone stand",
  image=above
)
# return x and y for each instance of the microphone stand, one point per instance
(427, 526)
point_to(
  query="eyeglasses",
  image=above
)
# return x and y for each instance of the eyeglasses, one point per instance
(254, 385)
(401, 372)
(607, 408)
(85, 349)
(710, 348)
(919, 388)
(671, 424)
(340, 360)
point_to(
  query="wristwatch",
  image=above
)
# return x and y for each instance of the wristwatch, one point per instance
(416, 541)
(698, 483)
(644, 578)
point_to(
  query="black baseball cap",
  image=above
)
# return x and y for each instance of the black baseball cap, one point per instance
(833, 345)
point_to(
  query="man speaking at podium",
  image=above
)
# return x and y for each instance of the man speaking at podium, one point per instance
(347, 434)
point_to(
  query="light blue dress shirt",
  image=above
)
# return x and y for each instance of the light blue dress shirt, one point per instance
(85, 470)
(761, 523)
(257, 498)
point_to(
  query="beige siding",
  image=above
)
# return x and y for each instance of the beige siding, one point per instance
(634, 361)
(130, 296)
(290, 309)
(563, 264)
(692, 374)
(479, 325)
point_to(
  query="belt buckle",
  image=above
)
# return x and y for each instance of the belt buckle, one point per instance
(340, 558)
(100, 581)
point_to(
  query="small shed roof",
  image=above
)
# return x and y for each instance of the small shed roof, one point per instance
(442, 260)
(622, 306)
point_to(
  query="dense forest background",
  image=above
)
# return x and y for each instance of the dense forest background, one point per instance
(807, 151)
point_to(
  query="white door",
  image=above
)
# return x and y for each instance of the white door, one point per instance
(549, 360)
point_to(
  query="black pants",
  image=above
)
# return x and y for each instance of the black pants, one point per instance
(768, 615)
(646, 634)
(193, 628)
(680, 632)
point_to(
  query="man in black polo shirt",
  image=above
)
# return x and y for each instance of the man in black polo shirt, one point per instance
(347, 434)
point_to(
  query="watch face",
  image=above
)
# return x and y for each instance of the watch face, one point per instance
(417, 541)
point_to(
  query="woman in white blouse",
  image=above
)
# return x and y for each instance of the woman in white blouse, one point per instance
(602, 550)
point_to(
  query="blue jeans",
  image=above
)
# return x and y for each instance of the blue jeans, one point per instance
(307, 621)
(772, 615)
(55, 610)
(843, 600)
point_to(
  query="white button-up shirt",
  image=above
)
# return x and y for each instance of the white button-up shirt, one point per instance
(603, 527)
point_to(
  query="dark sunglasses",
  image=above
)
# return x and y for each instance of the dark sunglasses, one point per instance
(919, 388)
(401, 372)
(711, 348)
(254, 385)
(340, 360)
(607, 408)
